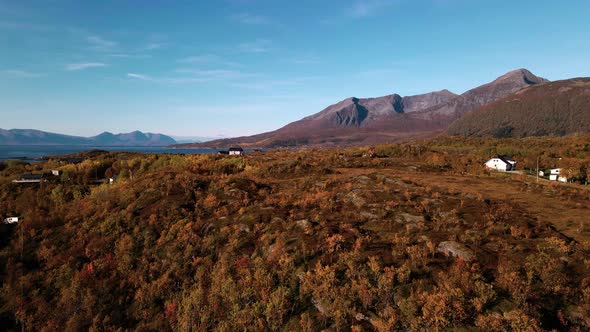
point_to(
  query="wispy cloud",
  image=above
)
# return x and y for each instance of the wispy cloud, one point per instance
(153, 46)
(257, 46)
(377, 72)
(23, 26)
(101, 44)
(169, 80)
(266, 85)
(195, 76)
(365, 8)
(209, 59)
(305, 60)
(140, 77)
(129, 56)
(359, 9)
(251, 19)
(20, 73)
(217, 74)
(85, 65)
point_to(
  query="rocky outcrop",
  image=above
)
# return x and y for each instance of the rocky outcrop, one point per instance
(456, 249)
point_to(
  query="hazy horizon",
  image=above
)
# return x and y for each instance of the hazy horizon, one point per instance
(241, 67)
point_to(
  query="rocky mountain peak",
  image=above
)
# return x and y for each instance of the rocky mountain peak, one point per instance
(520, 76)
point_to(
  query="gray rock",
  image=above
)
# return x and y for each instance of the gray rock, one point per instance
(355, 199)
(455, 249)
(360, 317)
(304, 224)
(409, 218)
(369, 215)
(318, 305)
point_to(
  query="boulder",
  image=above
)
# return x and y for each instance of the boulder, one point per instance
(369, 215)
(456, 249)
(409, 218)
(355, 199)
(304, 224)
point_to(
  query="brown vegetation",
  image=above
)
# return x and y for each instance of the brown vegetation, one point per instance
(300, 240)
(556, 108)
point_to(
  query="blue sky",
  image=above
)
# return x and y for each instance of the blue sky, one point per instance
(237, 67)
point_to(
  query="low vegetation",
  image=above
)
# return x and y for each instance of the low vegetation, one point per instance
(418, 237)
(555, 108)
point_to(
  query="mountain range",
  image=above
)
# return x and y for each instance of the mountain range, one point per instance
(386, 119)
(37, 137)
(516, 104)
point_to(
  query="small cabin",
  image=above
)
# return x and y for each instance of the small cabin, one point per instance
(236, 151)
(11, 220)
(501, 163)
(56, 172)
(29, 178)
(555, 175)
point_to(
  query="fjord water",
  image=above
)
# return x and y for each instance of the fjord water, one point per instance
(32, 152)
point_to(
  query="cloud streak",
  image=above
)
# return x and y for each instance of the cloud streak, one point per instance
(250, 19)
(129, 56)
(305, 60)
(209, 59)
(20, 73)
(140, 77)
(100, 44)
(85, 65)
(266, 85)
(366, 8)
(153, 46)
(187, 76)
(217, 74)
(257, 46)
(24, 26)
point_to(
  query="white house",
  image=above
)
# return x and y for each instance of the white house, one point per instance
(29, 178)
(236, 151)
(555, 175)
(501, 163)
(11, 220)
(56, 172)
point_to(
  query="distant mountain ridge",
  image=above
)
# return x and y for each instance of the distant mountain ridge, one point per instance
(38, 137)
(362, 121)
(557, 108)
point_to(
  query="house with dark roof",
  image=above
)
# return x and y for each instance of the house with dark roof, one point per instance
(29, 178)
(236, 151)
(501, 163)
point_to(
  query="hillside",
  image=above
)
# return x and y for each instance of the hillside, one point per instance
(419, 238)
(362, 121)
(557, 108)
(37, 137)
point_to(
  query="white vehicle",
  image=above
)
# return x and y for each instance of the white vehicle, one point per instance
(11, 220)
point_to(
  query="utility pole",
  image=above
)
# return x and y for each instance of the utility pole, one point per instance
(538, 168)
(22, 275)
